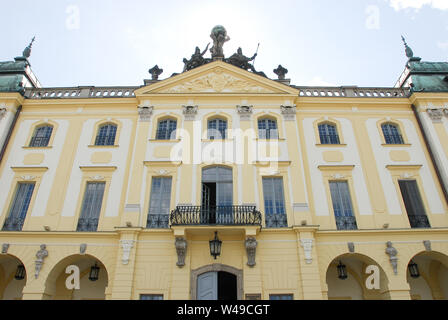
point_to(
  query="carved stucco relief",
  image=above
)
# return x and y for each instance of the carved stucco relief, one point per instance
(217, 82)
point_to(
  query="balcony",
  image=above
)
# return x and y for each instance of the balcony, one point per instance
(419, 221)
(346, 223)
(215, 215)
(13, 224)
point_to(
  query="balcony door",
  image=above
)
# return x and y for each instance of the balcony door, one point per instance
(217, 195)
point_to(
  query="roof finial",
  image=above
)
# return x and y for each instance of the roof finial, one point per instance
(27, 51)
(409, 52)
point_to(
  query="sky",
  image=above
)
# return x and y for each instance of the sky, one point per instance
(320, 42)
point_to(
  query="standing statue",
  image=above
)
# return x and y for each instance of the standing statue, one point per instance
(392, 252)
(197, 59)
(219, 36)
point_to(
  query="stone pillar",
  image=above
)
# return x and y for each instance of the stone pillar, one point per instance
(180, 275)
(123, 278)
(245, 169)
(133, 212)
(35, 291)
(433, 124)
(398, 288)
(301, 214)
(308, 264)
(253, 278)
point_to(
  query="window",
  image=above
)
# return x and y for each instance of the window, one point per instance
(41, 136)
(392, 134)
(19, 207)
(166, 129)
(267, 129)
(274, 203)
(328, 134)
(217, 129)
(414, 204)
(106, 135)
(159, 204)
(91, 206)
(280, 297)
(151, 297)
(342, 205)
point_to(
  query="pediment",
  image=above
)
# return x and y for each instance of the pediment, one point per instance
(217, 78)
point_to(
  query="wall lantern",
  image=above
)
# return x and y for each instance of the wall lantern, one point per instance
(413, 269)
(20, 272)
(94, 272)
(342, 271)
(215, 246)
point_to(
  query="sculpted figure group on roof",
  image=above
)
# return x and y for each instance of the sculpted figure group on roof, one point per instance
(219, 37)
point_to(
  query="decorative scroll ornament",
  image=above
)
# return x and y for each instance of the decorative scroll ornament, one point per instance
(97, 178)
(162, 172)
(244, 111)
(28, 178)
(351, 247)
(289, 112)
(145, 112)
(338, 176)
(406, 175)
(307, 245)
(5, 248)
(181, 249)
(190, 112)
(82, 248)
(436, 115)
(40, 255)
(126, 245)
(392, 252)
(251, 247)
(427, 245)
(217, 82)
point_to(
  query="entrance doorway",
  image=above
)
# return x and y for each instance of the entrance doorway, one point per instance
(218, 285)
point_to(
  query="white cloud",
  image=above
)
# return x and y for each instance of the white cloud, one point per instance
(418, 4)
(319, 82)
(442, 45)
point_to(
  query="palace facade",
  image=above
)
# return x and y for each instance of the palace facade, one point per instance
(221, 183)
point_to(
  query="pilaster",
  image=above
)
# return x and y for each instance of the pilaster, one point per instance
(308, 264)
(125, 265)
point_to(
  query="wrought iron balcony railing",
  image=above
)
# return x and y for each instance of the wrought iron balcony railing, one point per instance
(419, 221)
(346, 223)
(215, 215)
(87, 224)
(13, 224)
